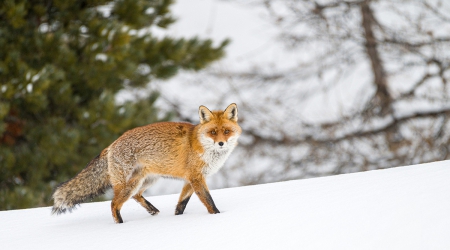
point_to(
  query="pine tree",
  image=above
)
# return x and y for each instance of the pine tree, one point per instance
(62, 63)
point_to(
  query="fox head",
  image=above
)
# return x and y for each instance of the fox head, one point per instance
(219, 130)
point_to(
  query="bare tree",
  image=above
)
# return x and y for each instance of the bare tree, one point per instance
(390, 62)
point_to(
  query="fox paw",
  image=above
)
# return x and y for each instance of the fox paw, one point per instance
(154, 212)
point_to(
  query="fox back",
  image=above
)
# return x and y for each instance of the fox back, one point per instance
(168, 149)
(175, 149)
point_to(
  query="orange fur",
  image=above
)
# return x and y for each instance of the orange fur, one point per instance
(167, 149)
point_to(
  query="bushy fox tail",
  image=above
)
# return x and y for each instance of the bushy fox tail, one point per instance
(92, 181)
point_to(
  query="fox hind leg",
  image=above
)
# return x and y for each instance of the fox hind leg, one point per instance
(145, 203)
(117, 202)
(141, 200)
(123, 192)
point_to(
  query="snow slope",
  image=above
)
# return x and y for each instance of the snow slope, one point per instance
(398, 208)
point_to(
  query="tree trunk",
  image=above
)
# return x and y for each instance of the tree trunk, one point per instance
(382, 98)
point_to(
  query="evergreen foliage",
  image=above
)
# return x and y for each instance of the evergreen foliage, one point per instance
(61, 64)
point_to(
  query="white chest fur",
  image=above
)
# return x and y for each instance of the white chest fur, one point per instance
(214, 160)
(215, 156)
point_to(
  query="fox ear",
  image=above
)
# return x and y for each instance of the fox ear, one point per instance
(231, 112)
(205, 114)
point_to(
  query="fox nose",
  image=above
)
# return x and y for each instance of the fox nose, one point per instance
(221, 144)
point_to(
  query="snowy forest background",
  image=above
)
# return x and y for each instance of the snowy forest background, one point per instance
(322, 87)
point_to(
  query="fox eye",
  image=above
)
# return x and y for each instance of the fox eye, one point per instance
(213, 132)
(226, 132)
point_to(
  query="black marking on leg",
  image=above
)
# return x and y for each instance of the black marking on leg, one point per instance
(150, 208)
(181, 206)
(211, 202)
(118, 216)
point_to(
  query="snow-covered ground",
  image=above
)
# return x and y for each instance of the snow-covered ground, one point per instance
(398, 208)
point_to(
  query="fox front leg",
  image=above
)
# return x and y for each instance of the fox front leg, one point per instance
(185, 195)
(201, 189)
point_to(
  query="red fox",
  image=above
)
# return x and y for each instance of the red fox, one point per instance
(142, 155)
